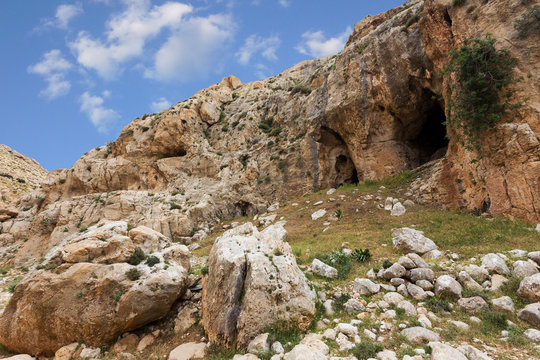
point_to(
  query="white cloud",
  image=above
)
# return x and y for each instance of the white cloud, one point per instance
(284, 3)
(66, 12)
(99, 115)
(196, 48)
(254, 44)
(317, 45)
(160, 104)
(53, 68)
(126, 35)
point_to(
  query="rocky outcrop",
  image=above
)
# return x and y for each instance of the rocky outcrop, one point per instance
(253, 283)
(94, 287)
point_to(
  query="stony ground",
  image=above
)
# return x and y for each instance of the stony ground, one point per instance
(388, 306)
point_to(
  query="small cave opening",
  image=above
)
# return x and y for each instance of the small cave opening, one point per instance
(429, 139)
(243, 208)
(335, 162)
(179, 151)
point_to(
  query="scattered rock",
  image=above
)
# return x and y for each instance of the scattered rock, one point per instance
(365, 287)
(322, 269)
(185, 319)
(535, 256)
(447, 286)
(353, 306)
(504, 304)
(398, 209)
(524, 268)
(468, 282)
(497, 281)
(473, 304)
(473, 353)
(494, 264)
(145, 342)
(418, 335)
(421, 274)
(533, 335)
(409, 240)
(386, 355)
(188, 351)
(531, 314)
(440, 351)
(529, 287)
(128, 342)
(65, 352)
(394, 271)
(259, 344)
(477, 273)
(318, 214)
(416, 292)
(277, 348)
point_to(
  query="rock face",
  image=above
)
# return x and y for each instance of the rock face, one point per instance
(253, 282)
(85, 292)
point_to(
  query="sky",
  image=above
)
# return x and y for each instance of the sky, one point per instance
(74, 73)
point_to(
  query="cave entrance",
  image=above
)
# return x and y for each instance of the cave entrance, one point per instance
(335, 162)
(429, 140)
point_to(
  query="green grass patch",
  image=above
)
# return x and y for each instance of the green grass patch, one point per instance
(366, 349)
(13, 284)
(339, 260)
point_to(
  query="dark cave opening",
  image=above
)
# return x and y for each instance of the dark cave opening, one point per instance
(430, 141)
(177, 152)
(337, 167)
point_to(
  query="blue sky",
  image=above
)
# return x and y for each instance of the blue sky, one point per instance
(74, 73)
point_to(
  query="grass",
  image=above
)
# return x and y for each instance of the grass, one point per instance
(13, 284)
(287, 335)
(366, 349)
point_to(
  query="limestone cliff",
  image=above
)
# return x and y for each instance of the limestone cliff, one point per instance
(375, 109)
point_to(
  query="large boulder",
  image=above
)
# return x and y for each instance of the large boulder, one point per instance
(494, 264)
(531, 314)
(92, 302)
(529, 287)
(253, 283)
(412, 241)
(447, 286)
(418, 335)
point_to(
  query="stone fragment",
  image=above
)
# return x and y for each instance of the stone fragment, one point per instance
(494, 264)
(394, 271)
(409, 240)
(398, 209)
(421, 274)
(353, 306)
(468, 282)
(533, 335)
(318, 214)
(259, 344)
(418, 335)
(188, 351)
(477, 273)
(447, 286)
(523, 269)
(324, 270)
(440, 351)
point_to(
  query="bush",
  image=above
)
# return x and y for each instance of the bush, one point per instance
(529, 23)
(438, 305)
(152, 260)
(133, 274)
(366, 349)
(299, 88)
(458, 2)
(480, 96)
(361, 255)
(137, 257)
(339, 260)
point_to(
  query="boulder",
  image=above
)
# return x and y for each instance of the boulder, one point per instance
(473, 304)
(523, 269)
(393, 298)
(253, 282)
(127, 343)
(412, 241)
(421, 274)
(318, 214)
(416, 292)
(504, 304)
(447, 286)
(477, 273)
(259, 344)
(533, 335)
(418, 335)
(418, 261)
(398, 209)
(394, 271)
(473, 353)
(365, 287)
(406, 262)
(534, 256)
(531, 314)
(440, 351)
(467, 281)
(310, 348)
(324, 270)
(494, 264)
(65, 352)
(529, 287)
(188, 351)
(91, 302)
(20, 357)
(353, 306)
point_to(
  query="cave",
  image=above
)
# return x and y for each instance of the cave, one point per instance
(179, 151)
(243, 208)
(428, 137)
(335, 162)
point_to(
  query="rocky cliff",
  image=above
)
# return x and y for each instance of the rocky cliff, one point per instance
(374, 110)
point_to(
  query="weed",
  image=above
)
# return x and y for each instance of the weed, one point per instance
(438, 305)
(137, 257)
(458, 2)
(366, 349)
(133, 274)
(288, 335)
(339, 260)
(493, 322)
(174, 206)
(361, 255)
(118, 295)
(13, 284)
(152, 260)
(338, 213)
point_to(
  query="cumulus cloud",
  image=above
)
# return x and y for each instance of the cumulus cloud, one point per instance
(99, 115)
(126, 35)
(65, 13)
(160, 104)
(317, 45)
(254, 44)
(196, 48)
(53, 68)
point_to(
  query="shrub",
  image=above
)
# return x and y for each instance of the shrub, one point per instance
(386, 264)
(458, 2)
(480, 95)
(174, 205)
(339, 260)
(118, 295)
(204, 270)
(133, 274)
(361, 255)
(299, 88)
(152, 260)
(137, 257)
(366, 349)
(529, 23)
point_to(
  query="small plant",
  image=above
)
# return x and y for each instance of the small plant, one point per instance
(133, 274)
(300, 88)
(13, 284)
(493, 322)
(204, 270)
(78, 295)
(137, 257)
(386, 264)
(118, 295)
(174, 206)
(152, 260)
(529, 23)
(83, 228)
(62, 181)
(338, 213)
(361, 255)
(438, 305)
(129, 227)
(339, 260)
(366, 349)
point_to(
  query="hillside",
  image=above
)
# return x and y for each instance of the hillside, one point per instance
(116, 243)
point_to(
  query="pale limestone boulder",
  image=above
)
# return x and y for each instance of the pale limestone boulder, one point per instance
(473, 304)
(90, 302)
(412, 241)
(416, 292)
(398, 209)
(127, 343)
(533, 335)
(421, 274)
(310, 348)
(418, 335)
(478, 273)
(529, 287)
(258, 344)
(394, 271)
(531, 314)
(534, 256)
(442, 351)
(324, 270)
(253, 282)
(504, 304)
(467, 281)
(447, 286)
(522, 269)
(188, 351)
(494, 264)
(387, 355)
(365, 287)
